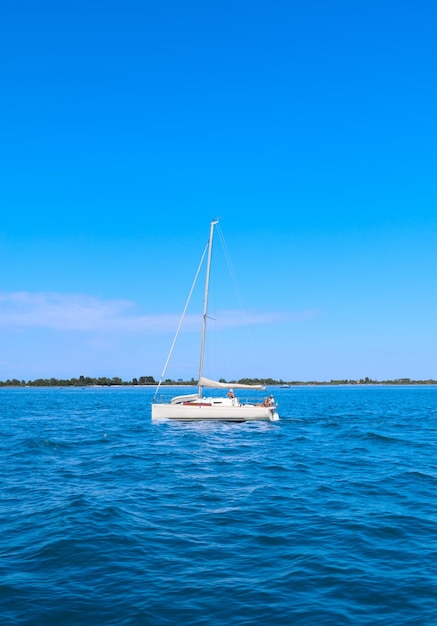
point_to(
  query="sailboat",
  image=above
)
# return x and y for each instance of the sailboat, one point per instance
(198, 406)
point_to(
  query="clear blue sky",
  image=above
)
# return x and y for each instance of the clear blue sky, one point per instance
(309, 127)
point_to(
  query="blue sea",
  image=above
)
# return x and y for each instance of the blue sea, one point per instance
(328, 516)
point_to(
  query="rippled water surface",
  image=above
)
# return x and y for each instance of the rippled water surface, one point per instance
(325, 517)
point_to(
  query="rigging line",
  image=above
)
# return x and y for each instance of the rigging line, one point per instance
(230, 267)
(181, 321)
(236, 286)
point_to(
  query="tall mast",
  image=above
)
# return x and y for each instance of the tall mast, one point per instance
(205, 304)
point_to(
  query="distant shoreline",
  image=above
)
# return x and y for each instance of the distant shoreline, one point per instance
(148, 381)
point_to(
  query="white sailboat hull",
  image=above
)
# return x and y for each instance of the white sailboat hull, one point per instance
(228, 413)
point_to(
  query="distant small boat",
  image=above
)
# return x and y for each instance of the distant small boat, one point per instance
(285, 386)
(194, 407)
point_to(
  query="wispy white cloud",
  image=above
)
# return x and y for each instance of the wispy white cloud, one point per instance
(235, 318)
(72, 312)
(79, 312)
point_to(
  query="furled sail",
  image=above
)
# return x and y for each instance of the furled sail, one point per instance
(206, 382)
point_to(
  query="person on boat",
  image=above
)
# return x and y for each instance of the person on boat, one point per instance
(230, 393)
(268, 401)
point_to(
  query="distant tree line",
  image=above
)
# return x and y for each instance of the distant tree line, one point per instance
(103, 381)
(82, 381)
